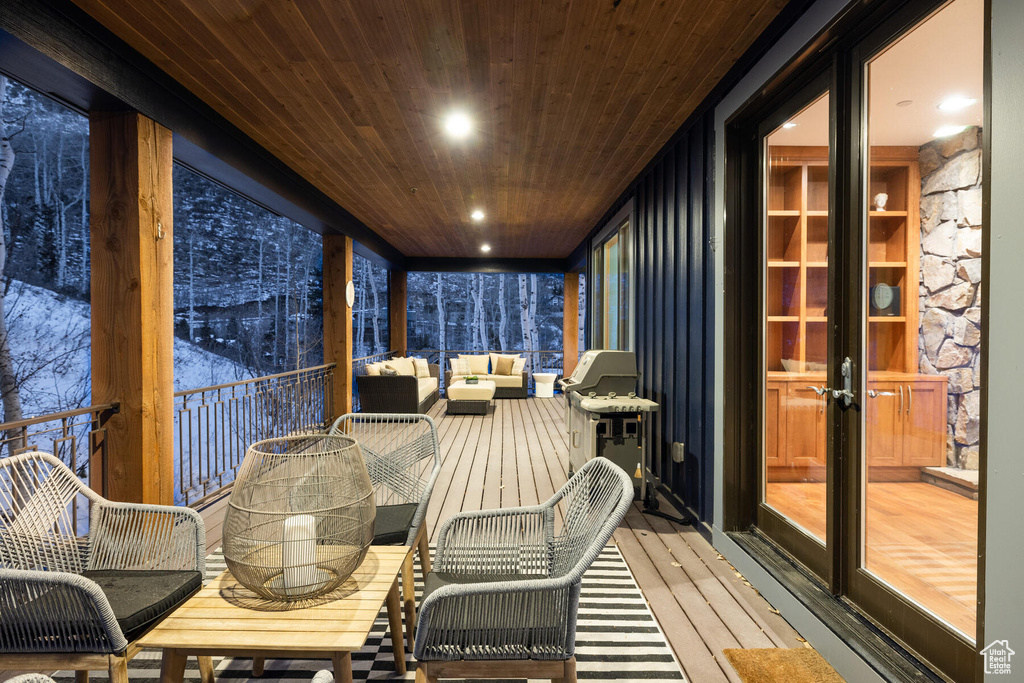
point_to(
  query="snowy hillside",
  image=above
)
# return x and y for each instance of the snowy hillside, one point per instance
(50, 343)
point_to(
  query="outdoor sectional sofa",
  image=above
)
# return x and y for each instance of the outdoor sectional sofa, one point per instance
(402, 393)
(506, 386)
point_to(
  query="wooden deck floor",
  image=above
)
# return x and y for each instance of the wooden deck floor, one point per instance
(518, 455)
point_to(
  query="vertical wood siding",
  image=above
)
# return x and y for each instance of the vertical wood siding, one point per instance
(674, 318)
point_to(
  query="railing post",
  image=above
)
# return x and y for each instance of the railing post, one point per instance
(570, 323)
(398, 311)
(338, 318)
(130, 216)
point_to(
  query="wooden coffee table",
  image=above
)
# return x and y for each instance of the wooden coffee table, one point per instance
(226, 619)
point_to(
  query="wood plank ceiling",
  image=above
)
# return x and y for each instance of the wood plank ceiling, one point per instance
(570, 99)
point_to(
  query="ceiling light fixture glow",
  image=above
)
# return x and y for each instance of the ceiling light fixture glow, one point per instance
(946, 131)
(485, 247)
(477, 215)
(956, 103)
(458, 125)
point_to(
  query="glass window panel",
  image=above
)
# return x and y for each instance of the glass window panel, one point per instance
(922, 313)
(795, 310)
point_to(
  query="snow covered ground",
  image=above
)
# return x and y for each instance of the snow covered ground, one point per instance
(50, 346)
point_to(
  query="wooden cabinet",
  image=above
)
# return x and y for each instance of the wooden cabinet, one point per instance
(906, 419)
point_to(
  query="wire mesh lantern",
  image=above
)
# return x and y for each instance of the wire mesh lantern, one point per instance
(300, 517)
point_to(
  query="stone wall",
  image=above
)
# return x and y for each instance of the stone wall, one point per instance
(950, 288)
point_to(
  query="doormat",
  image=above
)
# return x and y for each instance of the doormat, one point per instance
(782, 665)
(617, 639)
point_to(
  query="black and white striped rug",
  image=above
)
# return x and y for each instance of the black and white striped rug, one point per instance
(617, 639)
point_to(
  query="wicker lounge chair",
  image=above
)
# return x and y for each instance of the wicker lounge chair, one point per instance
(81, 602)
(403, 457)
(503, 596)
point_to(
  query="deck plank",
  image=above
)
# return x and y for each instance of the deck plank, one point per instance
(518, 455)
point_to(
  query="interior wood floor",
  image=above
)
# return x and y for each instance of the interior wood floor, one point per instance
(921, 539)
(518, 455)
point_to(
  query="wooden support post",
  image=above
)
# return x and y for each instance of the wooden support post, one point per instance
(570, 323)
(338, 318)
(398, 311)
(132, 296)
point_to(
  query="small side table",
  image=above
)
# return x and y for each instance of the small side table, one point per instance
(544, 384)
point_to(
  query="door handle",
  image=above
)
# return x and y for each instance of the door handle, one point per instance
(845, 395)
(575, 442)
(873, 394)
(910, 398)
(820, 391)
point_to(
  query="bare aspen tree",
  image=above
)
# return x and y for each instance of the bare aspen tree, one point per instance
(534, 332)
(502, 314)
(377, 346)
(11, 397)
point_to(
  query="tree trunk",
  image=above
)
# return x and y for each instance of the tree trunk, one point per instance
(524, 314)
(360, 328)
(442, 337)
(11, 396)
(534, 332)
(377, 346)
(191, 287)
(84, 217)
(502, 314)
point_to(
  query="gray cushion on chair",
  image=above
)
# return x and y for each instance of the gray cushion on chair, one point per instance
(140, 598)
(393, 523)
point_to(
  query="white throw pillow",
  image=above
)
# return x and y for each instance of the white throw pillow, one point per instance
(519, 365)
(403, 365)
(477, 364)
(373, 369)
(460, 367)
(422, 368)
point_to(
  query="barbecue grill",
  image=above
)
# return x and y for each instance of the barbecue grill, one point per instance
(605, 418)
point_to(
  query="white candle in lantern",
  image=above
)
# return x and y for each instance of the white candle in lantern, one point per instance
(298, 554)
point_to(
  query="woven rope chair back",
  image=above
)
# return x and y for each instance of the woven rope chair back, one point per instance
(596, 494)
(39, 497)
(400, 451)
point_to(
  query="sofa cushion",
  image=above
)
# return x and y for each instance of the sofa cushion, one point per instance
(139, 598)
(504, 366)
(477, 364)
(403, 365)
(391, 527)
(422, 367)
(425, 386)
(373, 368)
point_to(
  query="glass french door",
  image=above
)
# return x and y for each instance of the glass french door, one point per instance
(870, 328)
(795, 316)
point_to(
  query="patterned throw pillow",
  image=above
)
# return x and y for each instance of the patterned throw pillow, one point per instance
(388, 371)
(422, 368)
(477, 364)
(519, 365)
(460, 367)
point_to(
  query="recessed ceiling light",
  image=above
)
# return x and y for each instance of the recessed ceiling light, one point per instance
(458, 125)
(956, 103)
(477, 215)
(485, 247)
(789, 124)
(904, 103)
(946, 131)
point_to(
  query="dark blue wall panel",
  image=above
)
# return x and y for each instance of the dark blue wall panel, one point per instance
(674, 319)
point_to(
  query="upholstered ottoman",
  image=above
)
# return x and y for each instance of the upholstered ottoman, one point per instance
(470, 399)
